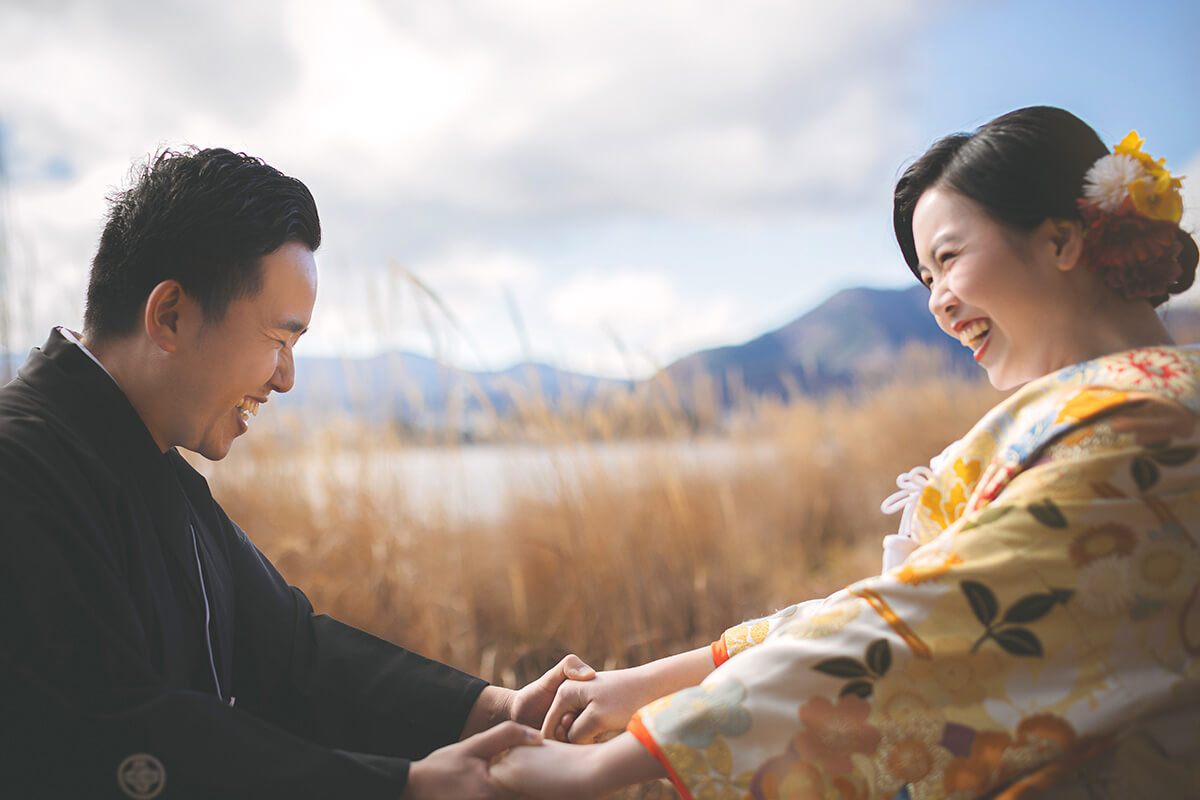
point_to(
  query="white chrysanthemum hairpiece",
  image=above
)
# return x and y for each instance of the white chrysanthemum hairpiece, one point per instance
(1107, 182)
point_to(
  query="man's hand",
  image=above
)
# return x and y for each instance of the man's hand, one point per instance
(529, 705)
(460, 770)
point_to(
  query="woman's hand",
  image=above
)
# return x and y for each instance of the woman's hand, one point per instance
(585, 711)
(554, 770)
(530, 703)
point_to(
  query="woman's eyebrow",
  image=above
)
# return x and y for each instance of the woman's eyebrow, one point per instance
(942, 239)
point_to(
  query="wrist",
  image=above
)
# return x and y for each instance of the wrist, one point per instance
(411, 790)
(673, 673)
(617, 763)
(493, 706)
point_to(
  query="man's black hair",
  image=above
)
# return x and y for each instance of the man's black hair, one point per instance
(202, 217)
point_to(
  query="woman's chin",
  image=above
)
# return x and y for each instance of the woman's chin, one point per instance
(1005, 379)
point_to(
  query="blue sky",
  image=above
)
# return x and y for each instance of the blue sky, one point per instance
(633, 181)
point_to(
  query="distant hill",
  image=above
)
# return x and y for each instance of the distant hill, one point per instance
(421, 392)
(853, 335)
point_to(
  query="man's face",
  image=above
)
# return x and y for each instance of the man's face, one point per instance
(227, 367)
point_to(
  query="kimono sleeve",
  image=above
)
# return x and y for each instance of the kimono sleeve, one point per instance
(1027, 633)
(753, 632)
(332, 683)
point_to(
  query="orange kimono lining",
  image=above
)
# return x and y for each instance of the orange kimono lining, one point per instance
(720, 652)
(642, 735)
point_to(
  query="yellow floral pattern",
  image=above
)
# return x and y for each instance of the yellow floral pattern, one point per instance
(1051, 613)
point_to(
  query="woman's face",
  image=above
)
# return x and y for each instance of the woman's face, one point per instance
(995, 290)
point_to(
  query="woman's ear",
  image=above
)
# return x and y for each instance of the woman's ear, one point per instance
(161, 318)
(1067, 237)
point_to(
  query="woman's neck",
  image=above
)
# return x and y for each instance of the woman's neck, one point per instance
(1116, 326)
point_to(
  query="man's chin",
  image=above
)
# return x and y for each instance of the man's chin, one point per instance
(213, 452)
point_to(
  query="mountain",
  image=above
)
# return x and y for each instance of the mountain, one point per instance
(854, 335)
(424, 393)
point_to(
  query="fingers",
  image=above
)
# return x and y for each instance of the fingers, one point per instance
(586, 728)
(569, 699)
(503, 736)
(564, 725)
(572, 667)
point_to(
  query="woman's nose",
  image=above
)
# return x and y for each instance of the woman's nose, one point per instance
(942, 303)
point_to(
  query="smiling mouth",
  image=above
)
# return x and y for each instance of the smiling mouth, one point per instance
(975, 333)
(247, 408)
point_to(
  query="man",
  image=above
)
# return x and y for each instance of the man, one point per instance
(149, 649)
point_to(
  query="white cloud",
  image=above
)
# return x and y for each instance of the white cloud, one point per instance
(644, 316)
(623, 298)
(422, 126)
(490, 107)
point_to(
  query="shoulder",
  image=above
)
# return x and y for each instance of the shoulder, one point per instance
(39, 451)
(1170, 373)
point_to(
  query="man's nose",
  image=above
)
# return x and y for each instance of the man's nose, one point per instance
(285, 372)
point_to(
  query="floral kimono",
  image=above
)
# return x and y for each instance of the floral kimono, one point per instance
(1049, 613)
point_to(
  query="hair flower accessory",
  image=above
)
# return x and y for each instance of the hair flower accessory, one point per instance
(1131, 207)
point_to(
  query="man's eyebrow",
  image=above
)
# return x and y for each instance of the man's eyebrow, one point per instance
(293, 325)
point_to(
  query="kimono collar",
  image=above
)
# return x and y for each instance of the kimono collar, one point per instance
(1013, 435)
(81, 395)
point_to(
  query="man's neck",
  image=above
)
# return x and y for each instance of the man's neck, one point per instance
(122, 360)
(76, 340)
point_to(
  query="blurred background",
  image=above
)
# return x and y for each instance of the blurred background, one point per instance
(614, 346)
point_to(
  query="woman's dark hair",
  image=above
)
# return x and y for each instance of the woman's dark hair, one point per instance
(201, 217)
(1022, 168)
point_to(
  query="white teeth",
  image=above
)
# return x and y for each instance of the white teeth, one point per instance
(247, 408)
(973, 333)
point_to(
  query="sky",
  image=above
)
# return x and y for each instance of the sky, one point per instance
(603, 185)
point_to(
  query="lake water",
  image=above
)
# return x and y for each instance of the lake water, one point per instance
(479, 481)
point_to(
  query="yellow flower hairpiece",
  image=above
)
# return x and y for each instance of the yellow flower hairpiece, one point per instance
(1131, 207)
(1154, 193)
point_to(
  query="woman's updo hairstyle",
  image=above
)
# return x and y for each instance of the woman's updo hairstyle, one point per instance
(1022, 168)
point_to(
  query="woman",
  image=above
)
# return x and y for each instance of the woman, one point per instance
(1042, 605)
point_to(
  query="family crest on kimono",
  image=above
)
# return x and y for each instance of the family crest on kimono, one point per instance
(1036, 628)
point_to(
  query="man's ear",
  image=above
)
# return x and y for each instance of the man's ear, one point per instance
(165, 306)
(1067, 237)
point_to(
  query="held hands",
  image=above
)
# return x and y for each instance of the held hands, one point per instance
(586, 711)
(461, 769)
(555, 771)
(529, 704)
